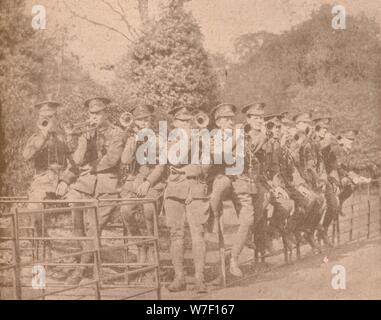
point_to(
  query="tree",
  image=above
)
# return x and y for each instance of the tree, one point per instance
(20, 76)
(247, 45)
(127, 31)
(168, 66)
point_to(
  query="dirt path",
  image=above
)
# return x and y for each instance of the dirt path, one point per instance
(311, 278)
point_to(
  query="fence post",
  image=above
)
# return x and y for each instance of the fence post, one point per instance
(43, 233)
(379, 209)
(125, 253)
(368, 234)
(43, 240)
(334, 230)
(156, 248)
(97, 253)
(16, 242)
(338, 230)
(351, 222)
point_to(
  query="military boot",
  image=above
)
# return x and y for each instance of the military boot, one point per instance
(234, 268)
(323, 235)
(311, 240)
(269, 246)
(250, 244)
(177, 255)
(177, 285)
(200, 287)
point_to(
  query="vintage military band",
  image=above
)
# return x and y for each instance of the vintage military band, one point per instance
(295, 178)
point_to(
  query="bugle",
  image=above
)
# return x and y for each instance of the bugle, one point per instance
(79, 128)
(201, 120)
(43, 123)
(126, 120)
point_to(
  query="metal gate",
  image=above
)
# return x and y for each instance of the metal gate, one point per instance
(23, 239)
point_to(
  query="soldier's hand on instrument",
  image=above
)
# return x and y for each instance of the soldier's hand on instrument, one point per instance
(68, 129)
(61, 189)
(143, 189)
(45, 130)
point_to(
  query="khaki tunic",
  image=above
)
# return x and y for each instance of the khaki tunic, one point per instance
(100, 150)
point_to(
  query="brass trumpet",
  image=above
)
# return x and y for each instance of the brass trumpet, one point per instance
(79, 128)
(126, 120)
(201, 120)
(47, 124)
(43, 123)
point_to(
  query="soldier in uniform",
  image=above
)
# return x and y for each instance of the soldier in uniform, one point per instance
(50, 156)
(340, 170)
(186, 200)
(308, 160)
(277, 170)
(324, 140)
(143, 180)
(248, 189)
(223, 115)
(221, 183)
(98, 154)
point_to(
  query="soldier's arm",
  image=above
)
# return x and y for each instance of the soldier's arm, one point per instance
(79, 153)
(339, 158)
(309, 171)
(156, 175)
(309, 157)
(34, 145)
(275, 161)
(259, 142)
(113, 154)
(71, 171)
(128, 155)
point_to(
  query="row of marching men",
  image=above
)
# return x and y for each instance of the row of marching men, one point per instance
(296, 176)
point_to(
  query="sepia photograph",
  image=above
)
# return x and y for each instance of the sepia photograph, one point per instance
(191, 150)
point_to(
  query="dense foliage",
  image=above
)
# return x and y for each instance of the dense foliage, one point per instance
(168, 66)
(316, 68)
(32, 68)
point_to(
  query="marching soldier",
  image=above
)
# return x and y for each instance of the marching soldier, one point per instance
(186, 200)
(98, 154)
(50, 155)
(248, 189)
(143, 180)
